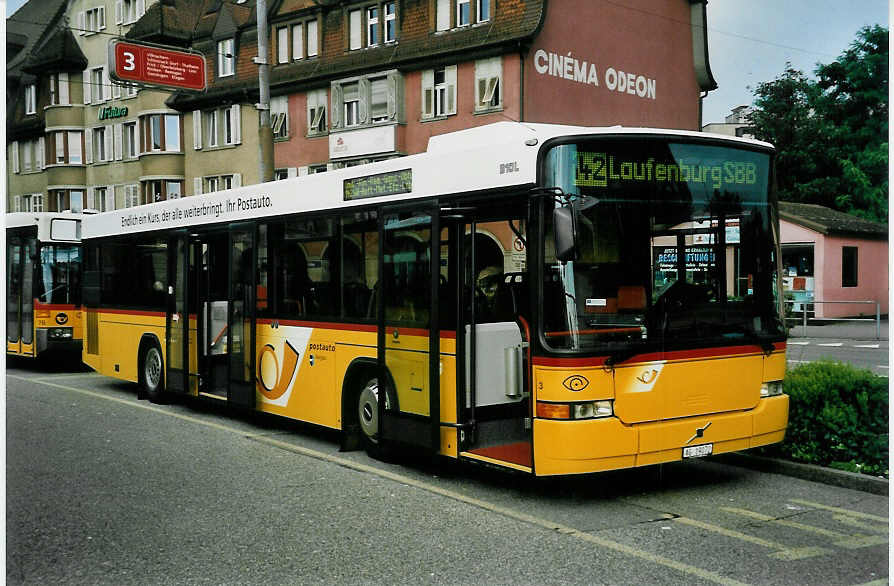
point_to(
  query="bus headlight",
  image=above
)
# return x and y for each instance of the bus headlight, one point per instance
(585, 410)
(771, 389)
(59, 333)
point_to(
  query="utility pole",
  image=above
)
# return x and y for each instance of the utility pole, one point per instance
(265, 131)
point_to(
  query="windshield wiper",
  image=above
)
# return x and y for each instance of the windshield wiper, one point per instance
(765, 344)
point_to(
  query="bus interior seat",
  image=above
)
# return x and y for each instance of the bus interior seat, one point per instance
(511, 298)
(631, 298)
(356, 300)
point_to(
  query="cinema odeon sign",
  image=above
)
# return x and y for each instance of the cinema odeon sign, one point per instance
(586, 72)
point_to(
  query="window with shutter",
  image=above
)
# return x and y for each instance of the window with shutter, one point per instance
(355, 30)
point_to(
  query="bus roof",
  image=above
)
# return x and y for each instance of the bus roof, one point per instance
(502, 155)
(51, 226)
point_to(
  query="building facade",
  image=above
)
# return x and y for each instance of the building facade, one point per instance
(356, 81)
(737, 123)
(831, 256)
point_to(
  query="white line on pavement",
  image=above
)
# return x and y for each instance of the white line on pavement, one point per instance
(798, 343)
(833, 344)
(866, 346)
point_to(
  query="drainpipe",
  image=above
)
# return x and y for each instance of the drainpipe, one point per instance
(265, 131)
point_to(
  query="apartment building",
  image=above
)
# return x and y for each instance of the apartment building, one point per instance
(354, 81)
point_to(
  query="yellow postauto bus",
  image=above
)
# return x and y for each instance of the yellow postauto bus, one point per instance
(43, 283)
(549, 299)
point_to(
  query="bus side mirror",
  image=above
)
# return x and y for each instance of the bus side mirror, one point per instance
(565, 231)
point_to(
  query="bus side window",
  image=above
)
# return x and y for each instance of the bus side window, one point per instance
(360, 264)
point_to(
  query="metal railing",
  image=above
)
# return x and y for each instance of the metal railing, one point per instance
(804, 311)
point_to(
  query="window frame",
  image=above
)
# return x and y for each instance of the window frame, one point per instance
(147, 122)
(317, 100)
(371, 26)
(372, 31)
(487, 70)
(147, 196)
(298, 45)
(30, 99)
(430, 98)
(279, 116)
(394, 92)
(61, 140)
(850, 267)
(226, 66)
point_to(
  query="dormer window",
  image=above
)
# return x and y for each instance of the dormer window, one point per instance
(459, 13)
(226, 59)
(31, 99)
(372, 25)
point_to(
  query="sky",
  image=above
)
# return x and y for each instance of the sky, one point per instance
(749, 41)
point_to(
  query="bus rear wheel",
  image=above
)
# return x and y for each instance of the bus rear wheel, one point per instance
(152, 373)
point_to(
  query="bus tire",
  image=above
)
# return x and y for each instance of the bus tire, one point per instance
(152, 383)
(368, 419)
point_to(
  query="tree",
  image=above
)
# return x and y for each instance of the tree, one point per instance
(831, 134)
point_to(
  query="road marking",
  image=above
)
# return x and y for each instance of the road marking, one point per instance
(494, 508)
(847, 512)
(843, 540)
(790, 343)
(67, 375)
(866, 346)
(833, 344)
(783, 552)
(846, 520)
(881, 366)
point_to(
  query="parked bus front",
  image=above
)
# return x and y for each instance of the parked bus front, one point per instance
(660, 331)
(43, 283)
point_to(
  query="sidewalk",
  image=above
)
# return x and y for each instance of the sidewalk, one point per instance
(844, 330)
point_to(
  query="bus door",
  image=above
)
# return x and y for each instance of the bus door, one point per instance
(21, 251)
(212, 291)
(493, 335)
(241, 315)
(408, 326)
(177, 320)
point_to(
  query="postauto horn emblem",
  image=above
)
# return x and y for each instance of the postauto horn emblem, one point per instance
(61, 318)
(576, 383)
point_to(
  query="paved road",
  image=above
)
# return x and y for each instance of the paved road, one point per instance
(105, 489)
(852, 342)
(868, 354)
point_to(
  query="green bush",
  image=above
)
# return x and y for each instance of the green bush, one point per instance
(838, 417)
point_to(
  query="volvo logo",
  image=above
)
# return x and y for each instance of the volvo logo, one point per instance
(61, 319)
(576, 383)
(699, 432)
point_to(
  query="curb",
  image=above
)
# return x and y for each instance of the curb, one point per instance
(841, 478)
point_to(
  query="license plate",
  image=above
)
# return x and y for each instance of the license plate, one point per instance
(698, 451)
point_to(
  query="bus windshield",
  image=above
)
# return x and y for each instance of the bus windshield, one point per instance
(59, 278)
(676, 247)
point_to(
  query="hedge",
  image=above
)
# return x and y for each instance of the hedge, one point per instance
(838, 417)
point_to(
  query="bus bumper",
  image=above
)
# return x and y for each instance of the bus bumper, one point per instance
(595, 445)
(57, 340)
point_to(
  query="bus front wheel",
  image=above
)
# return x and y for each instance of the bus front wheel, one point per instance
(152, 373)
(368, 416)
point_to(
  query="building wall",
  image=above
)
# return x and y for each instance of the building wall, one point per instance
(644, 38)
(872, 271)
(872, 277)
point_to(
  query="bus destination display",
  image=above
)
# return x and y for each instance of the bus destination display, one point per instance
(390, 183)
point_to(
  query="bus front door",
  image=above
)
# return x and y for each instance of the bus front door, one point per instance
(493, 335)
(211, 262)
(21, 252)
(408, 330)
